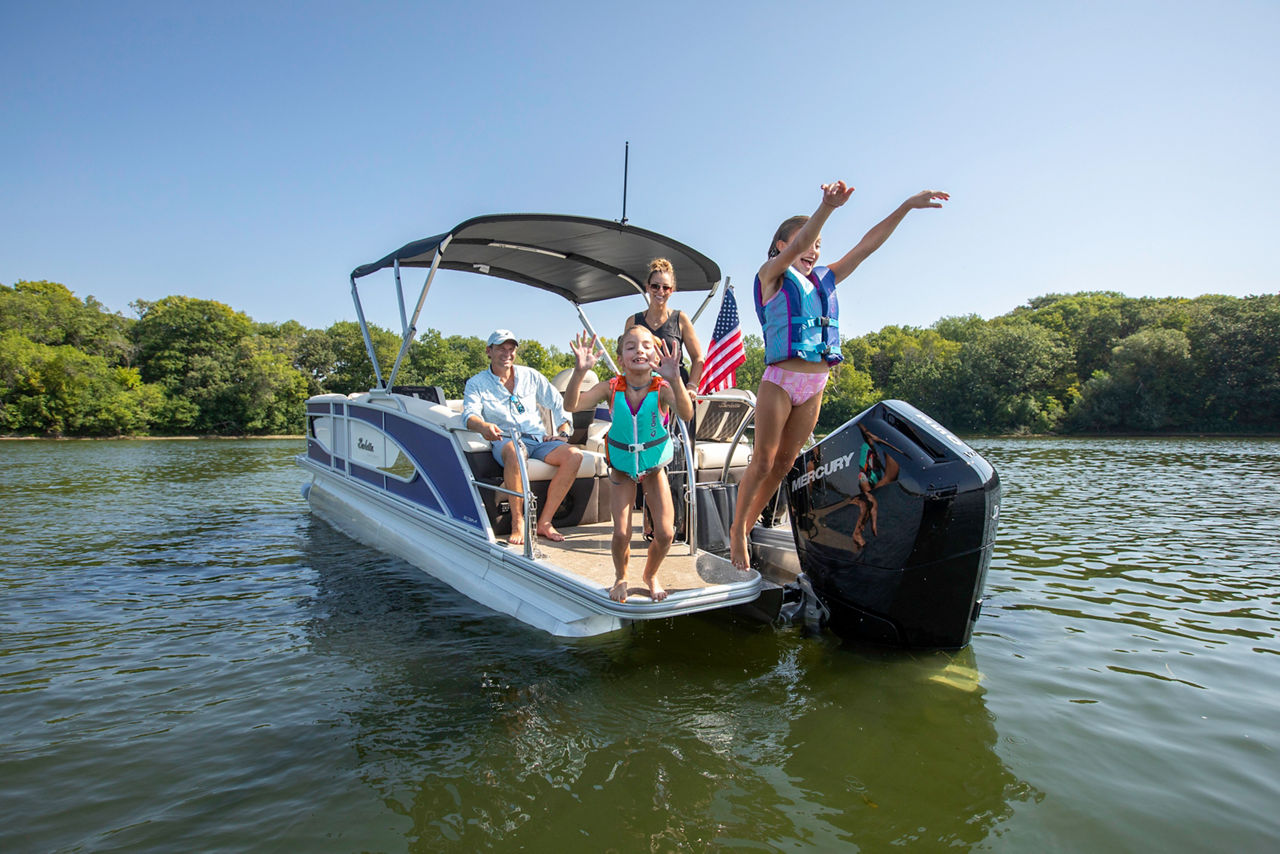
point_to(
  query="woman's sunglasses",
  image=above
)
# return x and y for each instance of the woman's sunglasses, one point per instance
(664, 288)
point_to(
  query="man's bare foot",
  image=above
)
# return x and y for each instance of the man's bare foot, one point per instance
(618, 592)
(516, 538)
(656, 591)
(738, 552)
(549, 533)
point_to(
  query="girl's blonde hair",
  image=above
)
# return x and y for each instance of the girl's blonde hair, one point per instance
(637, 330)
(660, 265)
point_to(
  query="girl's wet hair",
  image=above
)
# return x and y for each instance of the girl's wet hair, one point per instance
(638, 330)
(660, 265)
(785, 232)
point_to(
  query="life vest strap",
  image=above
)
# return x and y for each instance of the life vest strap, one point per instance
(635, 448)
(812, 321)
(820, 349)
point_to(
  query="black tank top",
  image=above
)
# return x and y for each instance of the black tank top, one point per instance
(670, 333)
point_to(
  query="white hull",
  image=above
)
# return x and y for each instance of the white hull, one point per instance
(535, 591)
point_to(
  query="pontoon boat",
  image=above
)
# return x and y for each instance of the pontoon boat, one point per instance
(893, 547)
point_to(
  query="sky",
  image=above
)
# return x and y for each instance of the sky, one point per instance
(254, 153)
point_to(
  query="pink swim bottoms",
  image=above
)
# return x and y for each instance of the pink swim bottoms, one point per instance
(799, 387)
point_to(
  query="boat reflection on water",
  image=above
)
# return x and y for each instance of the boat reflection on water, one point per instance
(690, 732)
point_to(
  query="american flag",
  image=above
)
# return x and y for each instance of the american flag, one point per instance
(726, 353)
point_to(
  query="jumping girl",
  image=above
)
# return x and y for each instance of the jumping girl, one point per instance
(637, 446)
(796, 304)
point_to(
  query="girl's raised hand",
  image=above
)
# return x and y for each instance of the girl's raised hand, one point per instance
(586, 352)
(925, 199)
(836, 194)
(668, 361)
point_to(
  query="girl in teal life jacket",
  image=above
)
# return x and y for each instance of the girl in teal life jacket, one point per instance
(796, 304)
(638, 447)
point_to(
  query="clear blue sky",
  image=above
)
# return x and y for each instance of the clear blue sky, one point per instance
(255, 152)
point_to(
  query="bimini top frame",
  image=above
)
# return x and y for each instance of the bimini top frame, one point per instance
(579, 258)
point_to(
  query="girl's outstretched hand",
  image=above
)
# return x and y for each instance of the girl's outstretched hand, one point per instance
(925, 199)
(586, 352)
(668, 362)
(836, 194)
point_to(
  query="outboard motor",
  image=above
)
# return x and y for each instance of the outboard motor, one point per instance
(894, 520)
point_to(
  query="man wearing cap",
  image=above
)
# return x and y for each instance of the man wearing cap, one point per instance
(506, 397)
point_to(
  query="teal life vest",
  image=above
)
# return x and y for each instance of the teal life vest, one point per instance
(801, 318)
(637, 442)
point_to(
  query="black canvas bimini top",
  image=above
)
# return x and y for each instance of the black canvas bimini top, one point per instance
(582, 259)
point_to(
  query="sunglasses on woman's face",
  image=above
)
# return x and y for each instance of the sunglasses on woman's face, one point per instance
(515, 401)
(657, 287)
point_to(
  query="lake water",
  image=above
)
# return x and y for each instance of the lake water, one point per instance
(190, 662)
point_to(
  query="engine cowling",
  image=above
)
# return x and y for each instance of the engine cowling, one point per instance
(895, 521)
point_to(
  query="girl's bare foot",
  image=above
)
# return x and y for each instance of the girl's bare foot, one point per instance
(656, 591)
(738, 552)
(618, 592)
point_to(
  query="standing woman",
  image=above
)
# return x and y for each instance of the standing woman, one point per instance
(671, 326)
(796, 304)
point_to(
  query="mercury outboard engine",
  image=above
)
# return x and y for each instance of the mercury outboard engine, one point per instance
(895, 519)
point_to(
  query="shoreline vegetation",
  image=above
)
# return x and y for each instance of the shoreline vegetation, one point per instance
(1095, 364)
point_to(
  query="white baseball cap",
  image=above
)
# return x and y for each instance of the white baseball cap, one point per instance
(499, 336)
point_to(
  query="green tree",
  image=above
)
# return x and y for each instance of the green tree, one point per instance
(59, 390)
(351, 370)
(220, 372)
(271, 392)
(849, 391)
(447, 362)
(1004, 377)
(1146, 387)
(49, 313)
(1235, 345)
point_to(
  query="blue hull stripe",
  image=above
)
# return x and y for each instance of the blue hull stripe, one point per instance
(435, 457)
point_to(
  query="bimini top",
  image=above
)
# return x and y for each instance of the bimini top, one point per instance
(581, 259)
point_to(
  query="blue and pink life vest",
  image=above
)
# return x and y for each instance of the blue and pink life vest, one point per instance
(801, 318)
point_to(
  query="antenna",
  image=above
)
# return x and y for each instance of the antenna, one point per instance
(626, 158)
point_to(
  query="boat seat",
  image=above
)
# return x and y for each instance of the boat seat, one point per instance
(429, 393)
(717, 418)
(710, 457)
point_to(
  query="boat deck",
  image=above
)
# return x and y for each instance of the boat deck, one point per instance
(585, 552)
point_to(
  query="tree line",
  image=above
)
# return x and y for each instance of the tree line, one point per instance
(1096, 362)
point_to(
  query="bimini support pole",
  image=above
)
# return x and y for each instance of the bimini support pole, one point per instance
(586, 324)
(412, 328)
(707, 301)
(364, 330)
(404, 324)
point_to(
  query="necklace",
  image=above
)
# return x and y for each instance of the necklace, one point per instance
(644, 387)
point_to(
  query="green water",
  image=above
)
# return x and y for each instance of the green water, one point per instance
(190, 662)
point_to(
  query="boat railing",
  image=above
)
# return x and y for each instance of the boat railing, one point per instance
(530, 500)
(690, 496)
(747, 422)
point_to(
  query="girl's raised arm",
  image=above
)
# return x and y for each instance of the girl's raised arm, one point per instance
(585, 355)
(833, 196)
(673, 393)
(880, 232)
